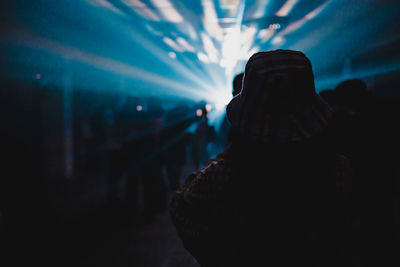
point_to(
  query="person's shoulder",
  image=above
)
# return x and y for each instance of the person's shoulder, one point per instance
(210, 178)
(218, 168)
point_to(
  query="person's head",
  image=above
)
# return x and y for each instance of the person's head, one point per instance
(278, 102)
(237, 84)
(352, 94)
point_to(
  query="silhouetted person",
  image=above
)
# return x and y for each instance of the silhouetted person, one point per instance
(203, 135)
(152, 160)
(276, 195)
(237, 84)
(354, 95)
(237, 88)
(224, 130)
(129, 123)
(176, 139)
(371, 147)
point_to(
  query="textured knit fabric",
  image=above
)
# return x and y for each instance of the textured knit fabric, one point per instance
(213, 216)
(278, 101)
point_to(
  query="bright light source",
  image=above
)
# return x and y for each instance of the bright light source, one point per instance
(139, 108)
(172, 55)
(221, 97)
(220, 106)
(199, 112)
(37, 76)
(231, 48)
(208, 107)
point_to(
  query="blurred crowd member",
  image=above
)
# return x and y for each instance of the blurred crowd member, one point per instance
(277, 194)
(203, 135)
(129, 123)
(224, 132)
(372, 148)
(152, 160)
(176, 140)
(237, 84)
(113, 149)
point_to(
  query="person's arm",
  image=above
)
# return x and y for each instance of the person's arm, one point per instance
(196, 212)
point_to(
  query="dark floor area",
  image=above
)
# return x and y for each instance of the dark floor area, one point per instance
(99, 238)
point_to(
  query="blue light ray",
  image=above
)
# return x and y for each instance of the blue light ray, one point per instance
(105, 63)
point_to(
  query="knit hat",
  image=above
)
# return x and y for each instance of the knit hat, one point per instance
(278, 102)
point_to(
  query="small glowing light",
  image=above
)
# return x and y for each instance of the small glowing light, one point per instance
(38, 76)
(139, 108)
(278, 40)
(172, 55)
(208, 107)
(275, 26)
(199, 112)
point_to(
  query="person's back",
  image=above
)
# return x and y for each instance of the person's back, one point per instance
(283, 208)
(276, 195)
(293, 201)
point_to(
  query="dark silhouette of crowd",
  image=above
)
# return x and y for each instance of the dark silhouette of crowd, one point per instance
(367, 136)
(129, 153)
(147, 148)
